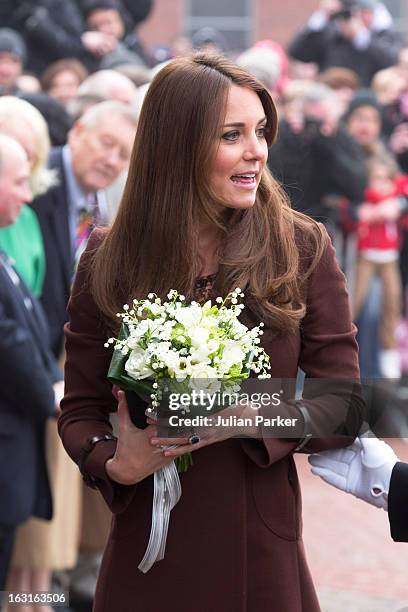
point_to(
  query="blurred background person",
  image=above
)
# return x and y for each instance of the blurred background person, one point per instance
(29, 376)
(105, 16)
(40, 546)
(265, 64)
(61, 79)
(209, 40)
(347, 33)
(364, 122)
(109, 85)
(98, 150)
(81, 103)
(388, 86)
(54, 30)
(315, 158)
(378, 247)
(343, 81)
(58, 120)
(12, 59)
(22, 121)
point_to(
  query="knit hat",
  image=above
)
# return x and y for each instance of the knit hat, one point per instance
(363, 97)
(208, 35)
(11, 42)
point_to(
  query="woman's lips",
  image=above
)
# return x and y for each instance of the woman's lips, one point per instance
(244, 182)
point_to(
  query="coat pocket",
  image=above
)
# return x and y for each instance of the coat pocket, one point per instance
(276, 496)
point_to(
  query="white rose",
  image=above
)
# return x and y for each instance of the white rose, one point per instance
(198, 336)
(232, 354)
(137, 365)
(189, 316)
(203, 371)
(204, 378)
(200, 355)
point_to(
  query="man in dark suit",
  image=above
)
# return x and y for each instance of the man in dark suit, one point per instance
(370, 470)
(98, 150)
(29, 376)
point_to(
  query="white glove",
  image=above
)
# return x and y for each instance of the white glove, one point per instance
(362, 469)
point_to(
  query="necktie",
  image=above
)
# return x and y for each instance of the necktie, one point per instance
(87, 218)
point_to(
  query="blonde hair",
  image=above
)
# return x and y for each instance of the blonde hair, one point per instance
(385, 79)
(14, 111)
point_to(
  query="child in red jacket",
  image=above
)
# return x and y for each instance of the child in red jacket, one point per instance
(378, 242)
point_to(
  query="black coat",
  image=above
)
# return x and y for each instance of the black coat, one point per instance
(52, 31)
(311, 167)
(328, 48)
(52, 209)
(398, 503)
(27, 372)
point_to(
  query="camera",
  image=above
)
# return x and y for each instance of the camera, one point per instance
(344, 14)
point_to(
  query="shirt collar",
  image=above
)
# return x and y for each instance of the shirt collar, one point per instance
(76, 195)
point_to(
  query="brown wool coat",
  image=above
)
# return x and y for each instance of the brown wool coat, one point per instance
(234, 542)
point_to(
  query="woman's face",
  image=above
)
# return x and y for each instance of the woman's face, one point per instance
(64, 86)
(242, 150)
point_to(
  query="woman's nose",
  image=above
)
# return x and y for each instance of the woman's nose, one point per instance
(256, 149)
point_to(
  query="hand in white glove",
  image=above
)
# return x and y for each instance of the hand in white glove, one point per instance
(362, 469)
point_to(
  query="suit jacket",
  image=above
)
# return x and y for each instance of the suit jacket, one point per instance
(52, 209)
(27, 372)
(240, 509)
(398, 503)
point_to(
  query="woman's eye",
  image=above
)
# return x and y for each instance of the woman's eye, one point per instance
(231, 135)
(261, 132)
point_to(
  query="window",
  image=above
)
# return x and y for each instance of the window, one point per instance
(232, 18)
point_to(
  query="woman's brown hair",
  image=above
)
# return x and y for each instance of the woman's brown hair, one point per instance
(153, 243)
(70, 65)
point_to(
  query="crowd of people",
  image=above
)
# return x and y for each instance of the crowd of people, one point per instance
(74, 86)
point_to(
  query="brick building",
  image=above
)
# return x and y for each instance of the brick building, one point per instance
(241, 21)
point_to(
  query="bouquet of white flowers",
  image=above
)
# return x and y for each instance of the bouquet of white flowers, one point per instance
(195, 344)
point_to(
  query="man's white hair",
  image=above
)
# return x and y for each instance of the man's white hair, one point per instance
(104, 111)
(103, 83)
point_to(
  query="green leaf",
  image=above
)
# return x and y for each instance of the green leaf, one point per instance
(117, 374)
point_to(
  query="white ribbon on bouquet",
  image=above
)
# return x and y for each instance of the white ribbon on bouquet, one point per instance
(167, 492)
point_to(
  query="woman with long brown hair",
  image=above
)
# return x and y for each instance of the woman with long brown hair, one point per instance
(202, 214)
